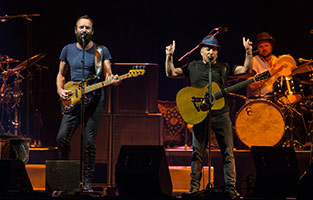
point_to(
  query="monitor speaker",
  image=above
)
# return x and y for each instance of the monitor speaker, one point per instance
(143, 170)
(276, 171)
(14, 177)
(62, 175)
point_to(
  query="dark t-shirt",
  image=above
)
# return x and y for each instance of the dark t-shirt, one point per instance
(72, 55)
(197, 72)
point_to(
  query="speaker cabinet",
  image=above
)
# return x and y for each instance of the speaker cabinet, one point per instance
(132, 129)
(138, 94)
(62, 175)
(276, 171)
(14, 177)
(143, 170)
(102, 141)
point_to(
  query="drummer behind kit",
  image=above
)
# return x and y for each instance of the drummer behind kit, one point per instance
(286, 119)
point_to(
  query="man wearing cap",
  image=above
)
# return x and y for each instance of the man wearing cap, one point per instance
(197, 71)
(262, 62)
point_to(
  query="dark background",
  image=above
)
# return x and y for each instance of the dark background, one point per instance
(138, 31)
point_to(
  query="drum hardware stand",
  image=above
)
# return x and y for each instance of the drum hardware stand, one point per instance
(35, 104)
(311, 148)
(291, 142)
(16, 94)
(310, 134)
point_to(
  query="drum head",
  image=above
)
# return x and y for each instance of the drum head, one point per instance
(288, 65)
(260, 123)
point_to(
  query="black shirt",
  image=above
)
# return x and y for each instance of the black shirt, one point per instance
(197, 72)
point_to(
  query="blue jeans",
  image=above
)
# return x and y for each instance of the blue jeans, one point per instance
(222, 127)
(69, 124)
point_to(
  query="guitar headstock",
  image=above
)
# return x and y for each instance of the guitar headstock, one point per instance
(262, 76)
(137, 70)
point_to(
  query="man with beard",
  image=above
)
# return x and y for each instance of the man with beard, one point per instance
(262, 62)
(96, 62)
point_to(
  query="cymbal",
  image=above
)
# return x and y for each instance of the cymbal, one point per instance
(306, 82)
(307, 67)
(7, 59)
(29, 62)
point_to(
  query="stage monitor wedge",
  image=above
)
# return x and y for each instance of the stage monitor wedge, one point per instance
(276, 171)
(143, 170)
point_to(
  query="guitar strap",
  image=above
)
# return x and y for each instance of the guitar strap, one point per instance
(98, 60)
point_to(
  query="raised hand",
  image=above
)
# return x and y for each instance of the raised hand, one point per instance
(170, 49)
(248, 45)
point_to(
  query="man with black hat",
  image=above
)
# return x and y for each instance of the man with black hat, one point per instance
(197, 71)
(263, 61)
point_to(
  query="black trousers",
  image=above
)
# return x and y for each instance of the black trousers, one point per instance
(222, 127)
(69, 124)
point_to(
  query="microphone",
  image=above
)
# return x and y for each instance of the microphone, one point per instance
(303, 60)
(84, 35)
(210, 57)
(83, 39)
(222, 29)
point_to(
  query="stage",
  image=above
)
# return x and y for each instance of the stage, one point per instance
(178, 161)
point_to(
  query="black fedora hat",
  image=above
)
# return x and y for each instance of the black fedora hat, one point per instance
(264, 36)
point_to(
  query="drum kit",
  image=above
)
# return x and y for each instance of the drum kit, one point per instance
(285, 116)
(11, 91)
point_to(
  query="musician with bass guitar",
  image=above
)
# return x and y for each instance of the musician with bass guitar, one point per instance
(197, 72)
(96, 64)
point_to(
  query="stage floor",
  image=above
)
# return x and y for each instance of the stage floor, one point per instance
(245, 166)
(180, 158)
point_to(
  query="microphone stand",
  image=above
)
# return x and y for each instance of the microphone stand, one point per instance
(208, 101)
(218, 30)
(82, 117)
(206, 104)
(29, 19)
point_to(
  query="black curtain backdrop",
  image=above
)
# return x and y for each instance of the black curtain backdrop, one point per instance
(138, 31)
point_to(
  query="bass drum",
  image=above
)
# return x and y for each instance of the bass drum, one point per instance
(260, 123)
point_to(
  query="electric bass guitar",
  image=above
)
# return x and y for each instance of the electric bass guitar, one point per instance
(75, 95)
(188, 97)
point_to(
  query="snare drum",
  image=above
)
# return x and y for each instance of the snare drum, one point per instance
(260, 123)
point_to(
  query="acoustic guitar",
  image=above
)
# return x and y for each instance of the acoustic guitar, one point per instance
(188, 97)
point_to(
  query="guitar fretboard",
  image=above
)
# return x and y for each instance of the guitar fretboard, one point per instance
(220, 94)
(104, 83)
